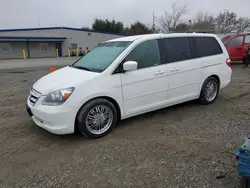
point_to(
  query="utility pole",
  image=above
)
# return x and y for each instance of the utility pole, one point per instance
(153, 28)
(190, 25)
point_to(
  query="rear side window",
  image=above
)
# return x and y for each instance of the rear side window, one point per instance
(207, 46)
(237, 41)
(177, 49)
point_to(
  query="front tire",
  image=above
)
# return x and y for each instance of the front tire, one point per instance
(96, 118)
(209, 91)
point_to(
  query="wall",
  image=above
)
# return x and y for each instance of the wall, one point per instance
(16, 50)
(35, 51)
(84, 39)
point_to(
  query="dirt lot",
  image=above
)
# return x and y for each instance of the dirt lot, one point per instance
(188, 145)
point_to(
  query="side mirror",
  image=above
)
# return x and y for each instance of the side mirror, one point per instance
(130, 65)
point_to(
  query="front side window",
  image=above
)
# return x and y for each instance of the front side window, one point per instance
(146, 54)
(237, 41)
(98, 59)
(5, 47)
(177, 49)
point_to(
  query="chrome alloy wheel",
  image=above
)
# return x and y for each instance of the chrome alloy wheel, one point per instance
(99, 119)
(211, 90)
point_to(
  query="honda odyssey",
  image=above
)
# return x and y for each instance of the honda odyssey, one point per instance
(126, 77)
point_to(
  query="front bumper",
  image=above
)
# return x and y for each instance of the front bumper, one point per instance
(28, 110)
(55, 119)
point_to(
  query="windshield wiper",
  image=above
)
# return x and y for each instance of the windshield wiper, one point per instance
(82, 68)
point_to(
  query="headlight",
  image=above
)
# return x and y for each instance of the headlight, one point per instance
(57, 97)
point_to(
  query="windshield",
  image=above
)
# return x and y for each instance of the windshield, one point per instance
(98, 59)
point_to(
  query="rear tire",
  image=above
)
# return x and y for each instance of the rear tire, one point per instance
(209, 91)
(96, 118)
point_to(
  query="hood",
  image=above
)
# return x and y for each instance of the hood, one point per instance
(63, 78)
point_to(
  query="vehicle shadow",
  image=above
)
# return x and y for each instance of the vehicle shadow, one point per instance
(77, 137)
(164, 112)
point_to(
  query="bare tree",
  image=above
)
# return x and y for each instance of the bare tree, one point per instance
(170, 20)
(203, 21)
(226, 21)
(242, 24)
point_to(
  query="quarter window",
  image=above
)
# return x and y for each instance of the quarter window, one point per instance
(145, 54)
(207, 46)
(237, 41)
(177, 49)
(5, 47)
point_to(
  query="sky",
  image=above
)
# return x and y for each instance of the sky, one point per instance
(81, 13)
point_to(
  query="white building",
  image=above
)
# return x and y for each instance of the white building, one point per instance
(43, 42)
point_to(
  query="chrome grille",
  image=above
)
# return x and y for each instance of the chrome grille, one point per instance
(34, 96)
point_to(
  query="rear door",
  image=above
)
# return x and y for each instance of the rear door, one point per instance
(236, 48)
(182, 69)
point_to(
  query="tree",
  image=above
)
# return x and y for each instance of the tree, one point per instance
(85, 28)
(242, 24)
(108, 26)
(170, 20)
(182, 27)
(138, 28)
(203, 22)
(226, 21)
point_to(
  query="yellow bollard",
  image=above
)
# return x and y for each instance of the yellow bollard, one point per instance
(68, 52)
(24, 54)
(57, 53)
(77, 52)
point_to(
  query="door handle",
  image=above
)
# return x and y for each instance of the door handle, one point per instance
(175, 69)
(159, 72)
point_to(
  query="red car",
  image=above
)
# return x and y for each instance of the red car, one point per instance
(237, 45)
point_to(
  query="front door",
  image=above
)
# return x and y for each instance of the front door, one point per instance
(183, 71)
(236, 48)
(145, 88)
(59, 47)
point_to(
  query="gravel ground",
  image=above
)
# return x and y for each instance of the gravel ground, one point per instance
(188, 145)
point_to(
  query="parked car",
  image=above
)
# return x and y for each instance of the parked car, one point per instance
(129, 76)
(237, 45)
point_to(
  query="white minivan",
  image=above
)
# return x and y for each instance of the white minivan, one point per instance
(129, 76)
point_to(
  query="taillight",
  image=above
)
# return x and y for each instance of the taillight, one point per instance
(228, 62)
